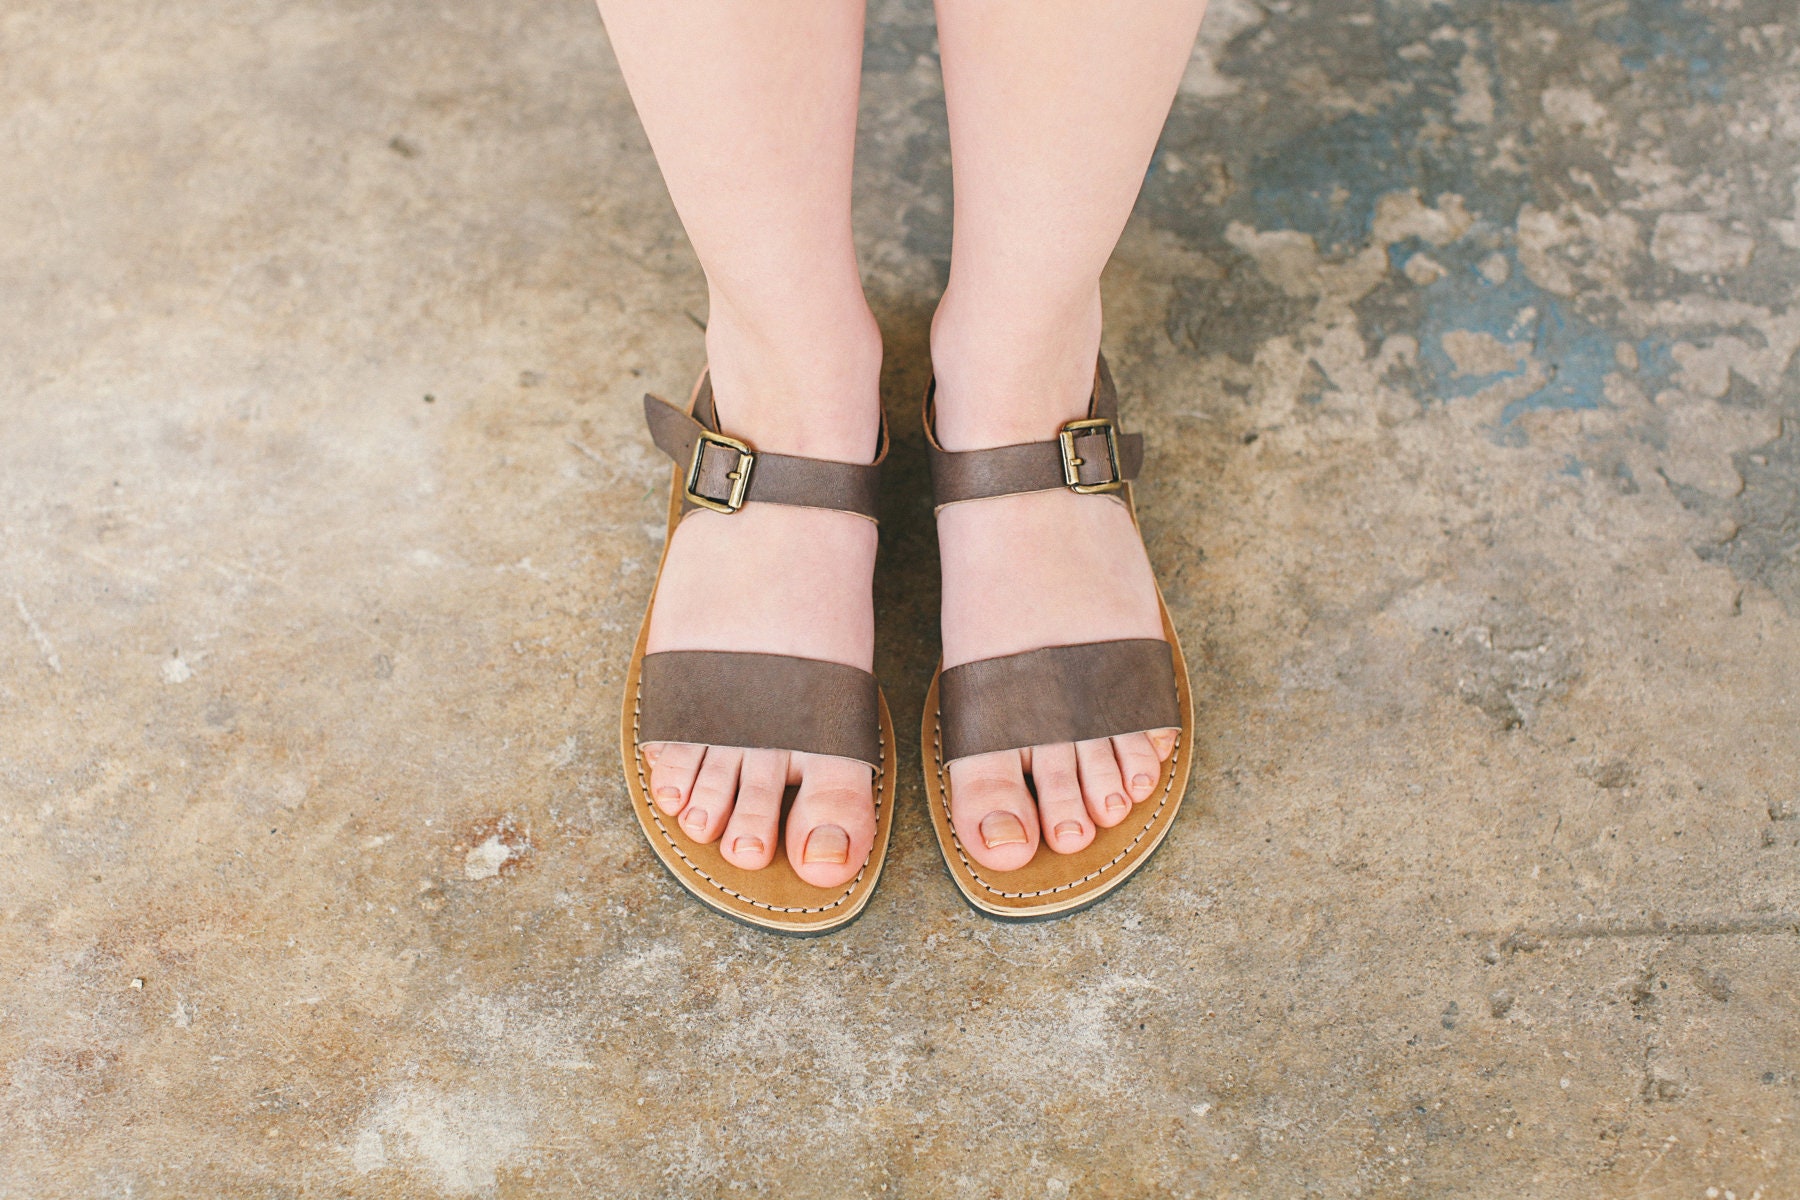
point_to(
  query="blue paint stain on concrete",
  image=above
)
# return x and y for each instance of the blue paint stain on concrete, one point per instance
(1656, 363)
(1574, 353)
(1579, 357)
(1326, 181)
(1653, 32)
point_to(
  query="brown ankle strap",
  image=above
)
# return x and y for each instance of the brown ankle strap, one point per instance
(1086, 456)
(723, 474)
(1057, 694)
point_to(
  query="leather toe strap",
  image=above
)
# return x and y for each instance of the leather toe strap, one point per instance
(759, 701)
(1057, 694)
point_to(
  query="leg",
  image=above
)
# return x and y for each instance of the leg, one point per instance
(1055, 107)
(751, 109)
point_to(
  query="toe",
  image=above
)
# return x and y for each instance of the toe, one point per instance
(1061, 814)
(994, 815)
(749, 840)
(1102, 787)
(1138, 764)
(709, 804)
(1163, 742)
(673, 766)
(832, 824)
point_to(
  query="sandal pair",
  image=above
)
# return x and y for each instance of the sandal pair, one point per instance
(1056, 694)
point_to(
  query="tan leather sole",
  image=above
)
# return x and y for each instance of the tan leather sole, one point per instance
(774, 899)
(1051, 884)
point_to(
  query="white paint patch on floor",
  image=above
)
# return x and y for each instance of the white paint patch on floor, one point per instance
(460, 1139)
(485, 860)
(1698, 245)
(1475, 92)
(37, 636)
(368, 1154)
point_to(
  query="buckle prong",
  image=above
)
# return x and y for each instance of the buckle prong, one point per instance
(739, 477)
(1073, 462)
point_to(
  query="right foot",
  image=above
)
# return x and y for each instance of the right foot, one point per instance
(773, 579)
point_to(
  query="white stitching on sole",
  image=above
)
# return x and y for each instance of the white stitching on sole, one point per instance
(937, 755)
(637, 709)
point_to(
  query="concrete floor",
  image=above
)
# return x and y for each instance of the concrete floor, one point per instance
(1465, 334)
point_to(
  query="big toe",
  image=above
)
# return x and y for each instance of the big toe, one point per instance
(992, 810)
(832, 824)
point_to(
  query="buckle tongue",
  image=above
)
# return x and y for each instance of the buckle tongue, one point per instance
(1072, 462)
(739, 476)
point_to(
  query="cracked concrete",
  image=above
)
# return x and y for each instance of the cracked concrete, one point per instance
(1464, 333)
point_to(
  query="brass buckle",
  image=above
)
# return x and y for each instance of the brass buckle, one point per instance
(1072, 462)
(740, 478)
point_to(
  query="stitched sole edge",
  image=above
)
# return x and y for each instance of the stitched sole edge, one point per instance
(937, 787)
(972, 884)
(1154, 824)
(690, 876)
(694, 879)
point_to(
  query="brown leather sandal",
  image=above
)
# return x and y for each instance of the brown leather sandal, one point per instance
(761, 701)
(1059, 693)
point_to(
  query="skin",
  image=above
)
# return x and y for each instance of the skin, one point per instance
(1054, 109)
(751, 110)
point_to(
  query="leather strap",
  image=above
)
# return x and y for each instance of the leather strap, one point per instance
(1033, 466)
(1057, 694)
(759, 701)
(774, 478)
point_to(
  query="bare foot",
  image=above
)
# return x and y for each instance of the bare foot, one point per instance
(1040, 569)
(1045, 569)
(774, 579)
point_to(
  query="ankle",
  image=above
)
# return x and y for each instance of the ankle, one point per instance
(1009, 373)
(802, 384)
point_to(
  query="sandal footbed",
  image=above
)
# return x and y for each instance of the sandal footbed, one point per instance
(1056, 885)
(774, 899)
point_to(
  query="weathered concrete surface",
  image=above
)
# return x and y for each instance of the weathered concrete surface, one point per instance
(1465, 332)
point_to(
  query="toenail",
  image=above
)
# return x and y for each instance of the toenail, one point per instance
(1002, 829)
(694, 818)
(1142, 784)
(668, 793)
(1068, 831)
(826, 844)
(747, 845)
(1117, 803)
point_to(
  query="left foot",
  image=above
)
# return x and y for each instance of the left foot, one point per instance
(1040, 569)
(1046, 569)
